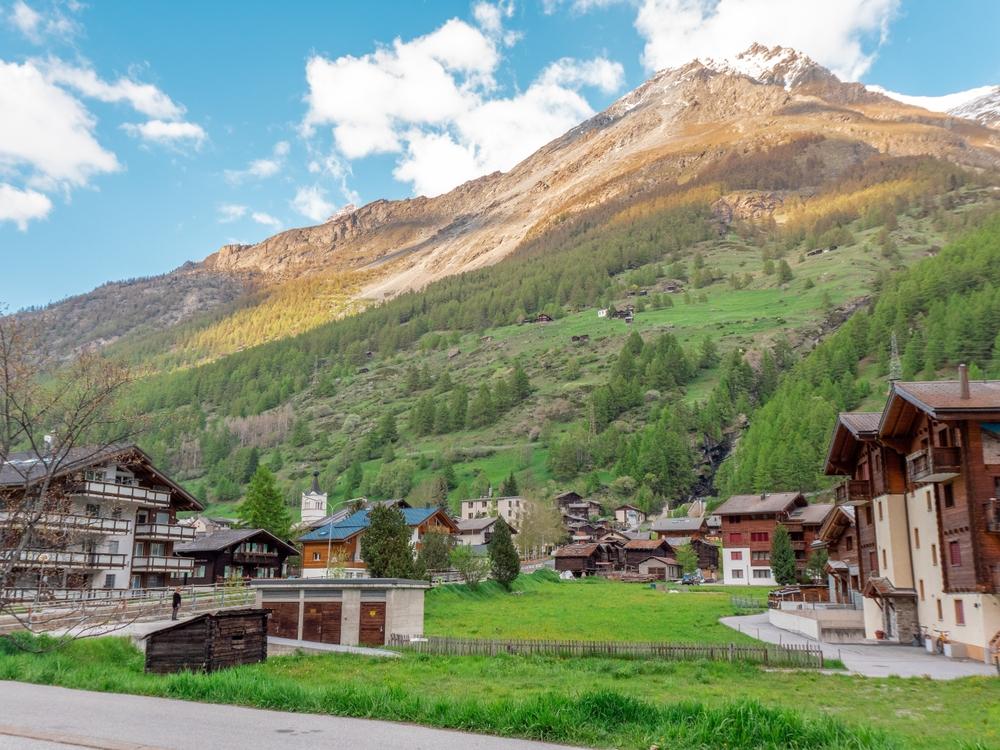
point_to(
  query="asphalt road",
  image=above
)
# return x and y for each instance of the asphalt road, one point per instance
(37, 717)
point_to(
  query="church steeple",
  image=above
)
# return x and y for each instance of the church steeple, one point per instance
(313, 502)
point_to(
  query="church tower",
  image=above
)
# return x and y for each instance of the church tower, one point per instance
(313, 502)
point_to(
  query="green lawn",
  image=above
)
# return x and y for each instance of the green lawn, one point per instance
(590, 609)
(631, 704)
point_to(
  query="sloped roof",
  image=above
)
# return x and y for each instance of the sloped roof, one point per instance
(937, 395)
(851, 429)
(644, 544)
(774, 502)
(359, 521)
(861, 422)
(815, 513)
(677, 541)
(659, 558)
(220, 540)
(476, 524)
(576, 550)
(685, 523)
(222, 614)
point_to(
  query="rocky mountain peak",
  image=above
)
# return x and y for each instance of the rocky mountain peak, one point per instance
(775, 66)
(984, 109)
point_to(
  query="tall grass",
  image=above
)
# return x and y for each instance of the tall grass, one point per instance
(600, 718)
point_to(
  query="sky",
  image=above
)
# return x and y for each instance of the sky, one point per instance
(137, 136)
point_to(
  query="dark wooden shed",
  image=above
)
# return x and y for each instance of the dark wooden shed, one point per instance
(215, 640)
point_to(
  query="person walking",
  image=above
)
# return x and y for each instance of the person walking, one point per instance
(176, 604)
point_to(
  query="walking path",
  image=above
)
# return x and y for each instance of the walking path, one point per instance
(39, 717)
(875, 660)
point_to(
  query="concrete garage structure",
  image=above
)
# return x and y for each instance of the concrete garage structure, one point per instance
(348, 612)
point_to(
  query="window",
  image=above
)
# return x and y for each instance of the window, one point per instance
(762, 573)
(760, 555)
(158, 549)
(737, 574)
(933, 554)
(880, 516)
(163, 517)
(109, 580)
(141, 517)
(921, 589)
(140, 549)
(735, 537)
(868, 515)
(930, 507)
(736, 555)
(849, 543)
(940, 613)
(137, 582)
(885, 560)
(199, 571)
(93, 510)
(959, 612)
(316, 557)
(949, 495)
(916, 538)
(872, 561)
(954, 554)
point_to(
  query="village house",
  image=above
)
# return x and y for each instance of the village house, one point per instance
(838, 537)
(476, 532)
(924, 479)
(573, 504)
(207, 524)
(111, 522)
(748, 525)
(338, 545)
(661, 567)
(588, 558)
(706, 552)
(696, 528)
(628, 516)
(510, 509)
(637, 550)
(234, 553)
(589, 531)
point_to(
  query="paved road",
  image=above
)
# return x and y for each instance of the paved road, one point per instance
(876, 660)
(37, 717)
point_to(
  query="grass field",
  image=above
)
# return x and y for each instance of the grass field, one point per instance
(591, 609)
(593, 702)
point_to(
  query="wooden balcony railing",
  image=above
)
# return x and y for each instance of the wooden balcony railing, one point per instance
(67, 522)
(853, 492)
(45, 559)
(162, 564)
(164, 531)
(255, 557)
(935, 464)
(125, 492)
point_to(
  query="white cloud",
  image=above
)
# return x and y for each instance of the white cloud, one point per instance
(46, 135)
(261, 168)
(35, 26)
(166, 133)
(21, 206)
(311, 202)
(840, 35)
(231, 212)
(266, 219)
(433, 101)
(142, 97)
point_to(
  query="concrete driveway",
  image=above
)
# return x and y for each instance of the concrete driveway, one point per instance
(875, 660)
(39, 717)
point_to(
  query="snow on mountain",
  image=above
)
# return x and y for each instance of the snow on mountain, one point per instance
(981, 104)
(780, 66)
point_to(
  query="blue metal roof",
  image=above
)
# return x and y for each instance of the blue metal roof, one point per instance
(359, 522)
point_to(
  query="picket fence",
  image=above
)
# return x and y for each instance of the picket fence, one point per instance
(792, 655)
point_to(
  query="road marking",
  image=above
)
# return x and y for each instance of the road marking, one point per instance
(72, 740)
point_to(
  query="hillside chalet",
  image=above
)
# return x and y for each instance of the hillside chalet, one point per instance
(339, 544)
(696, 528)
(637, 550)
(588, 559)
(707, 553)
(748, 524)
(234, 553)
(629, 516)
(838, 537)
(924, 479)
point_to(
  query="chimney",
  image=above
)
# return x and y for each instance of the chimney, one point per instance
(963, 383)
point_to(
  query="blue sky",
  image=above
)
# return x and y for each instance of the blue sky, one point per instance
(136, 136)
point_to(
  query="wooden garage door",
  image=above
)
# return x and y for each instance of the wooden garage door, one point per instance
(284, 620)
(322, 622)
(372, 630)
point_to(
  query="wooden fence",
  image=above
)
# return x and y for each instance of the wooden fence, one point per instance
(806, 655)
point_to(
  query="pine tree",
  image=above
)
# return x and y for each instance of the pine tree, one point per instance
(784, 272)
(387, 430)
(263, 506)
(385, 545)
(355, 475)
(520, 386)
(782, 556)
(508, 488)
(816, 567)
(504, 562)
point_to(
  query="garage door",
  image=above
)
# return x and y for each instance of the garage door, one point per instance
(372, 626)
(284, 620)
(322, 622)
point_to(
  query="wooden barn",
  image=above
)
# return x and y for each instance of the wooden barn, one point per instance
(208, 642)
(637, 550)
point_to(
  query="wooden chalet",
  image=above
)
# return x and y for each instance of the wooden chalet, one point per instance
(838, 536)
(235, 553)
(637, 550)
(209, 642)
(339, 544)
(629, 516)
(587, 559)
(707, 552)
(696, 528)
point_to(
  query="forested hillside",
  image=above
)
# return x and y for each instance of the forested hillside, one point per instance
(439, 394)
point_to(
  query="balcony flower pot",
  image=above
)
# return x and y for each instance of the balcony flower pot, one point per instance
(880, 635)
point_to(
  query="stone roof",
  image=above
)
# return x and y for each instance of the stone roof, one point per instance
(947, 395)
(861, 421)
(774, 502)
(811, 514)
(220, 540)
(678, 524)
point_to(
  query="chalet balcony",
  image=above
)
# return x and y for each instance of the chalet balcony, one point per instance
(853, 492)
(935, 464)
(166, 532)
(123, 492)
(798, 544)
(68, 523)
(255, 558)
(992, 507)
(162, 564)
(35, 559)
